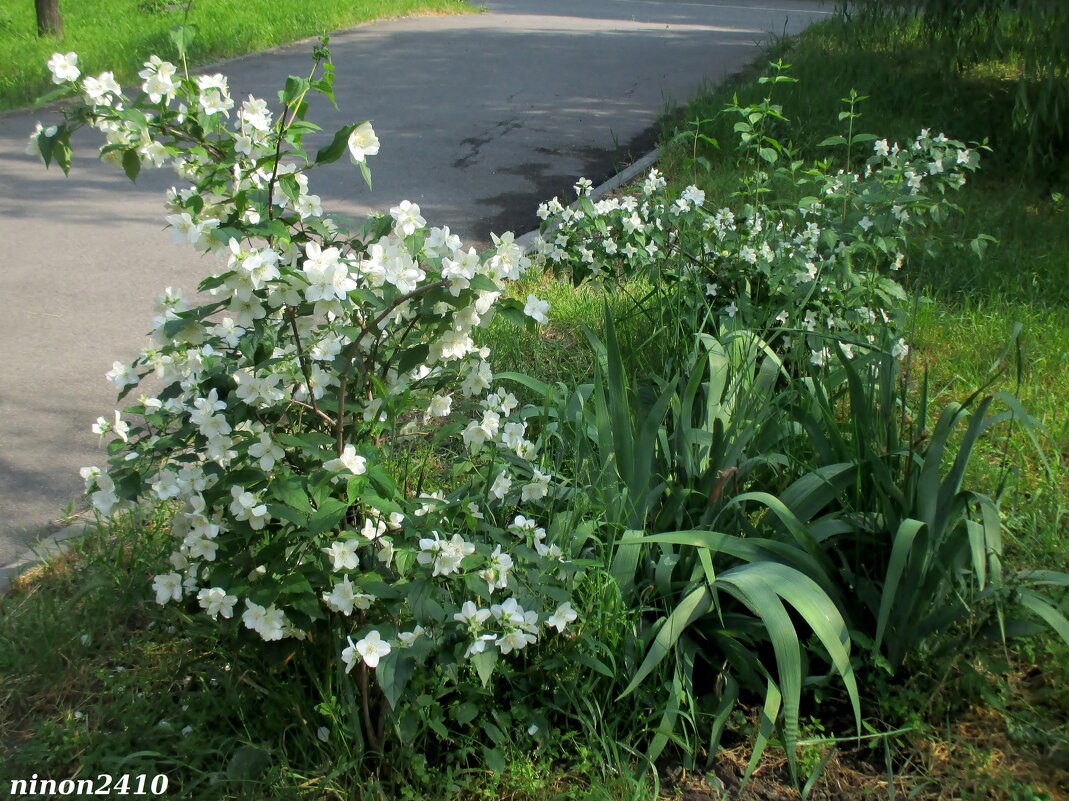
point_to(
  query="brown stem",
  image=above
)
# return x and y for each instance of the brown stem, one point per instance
(294, 108)
(372, 734)
(326, 417)
(302, 359)
(381, 731)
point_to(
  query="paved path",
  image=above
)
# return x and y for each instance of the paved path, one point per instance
(481, 117)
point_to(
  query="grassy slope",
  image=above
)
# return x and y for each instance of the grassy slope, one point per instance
(119, 35)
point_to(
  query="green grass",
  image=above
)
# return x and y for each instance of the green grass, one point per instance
(95, 677)
(119, 35)
(983, 713)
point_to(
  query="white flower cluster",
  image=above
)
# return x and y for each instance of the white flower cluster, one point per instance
(283, 388)
(810, 275)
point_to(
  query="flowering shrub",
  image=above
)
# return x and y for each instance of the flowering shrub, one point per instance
(295, 399)
(817, 268)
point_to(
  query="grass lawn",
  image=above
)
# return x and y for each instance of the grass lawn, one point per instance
(119, 35)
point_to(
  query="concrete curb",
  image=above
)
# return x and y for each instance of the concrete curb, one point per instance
(620, 179)
(47, 548)
(59, 543)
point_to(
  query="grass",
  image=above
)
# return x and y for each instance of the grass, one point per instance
(119, 35)
(988, 732)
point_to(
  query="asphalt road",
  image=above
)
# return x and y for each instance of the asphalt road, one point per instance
(481, 117)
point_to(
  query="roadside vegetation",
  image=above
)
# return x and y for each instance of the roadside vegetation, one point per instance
(808, 455)
(118, 35)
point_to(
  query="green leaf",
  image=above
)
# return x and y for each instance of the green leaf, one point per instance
(694, 605)
(484, 664)
(296, 584)
(768, 154)
(393, 674)
(329, 514)
(625, 562)
(832, 140)
(295, 87)
(1041, 607)
(466, 713)
(495, 759)
(289, 488)
(766, 727)
(412, 357)
(247, 764)
(483, 283)
(131, 164)
(896, 567)
(182, 36)
(337, 146)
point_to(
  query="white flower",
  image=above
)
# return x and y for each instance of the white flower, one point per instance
(820, 357)
(405, 639)
(445, 556)
(537, 489)
(406, 218)
(343, 555)
(440, 406)
(120, 427)
(254, 113)
(269, 623)
(537, 309)
(245, 505)
(159, 82)
(168, 587)
(343, 598)
(562, 617)
(363, 143)
(214, 95)
(349, 460)
(64, 67)
(496, 575)
(372, 648)
(122, 375)
(502, 484)
(471, 616)
(373, 529)
(97, 89)
(479, 645)
(217, 602)
(654, 182)
(266, 451)
(328, 277)
(900, 349)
